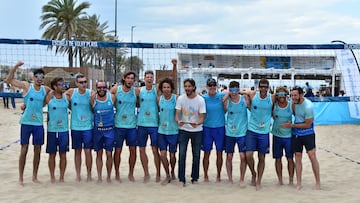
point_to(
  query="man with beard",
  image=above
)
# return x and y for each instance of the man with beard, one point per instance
(303, 134)
(257, 136)
(125, 122)
(81, 124)
(103, 104)
(190, 114)
(32, 119)
(282, 113)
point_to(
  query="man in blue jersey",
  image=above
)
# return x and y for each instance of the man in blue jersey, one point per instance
(257, 137)
(236, 106)
(103, 104)
(57, 139)
(214, 127)
(303, 134)
(147, 122)
(168, 127)
(32, 118)
(81, 123)
(125, 122)
(282, 113)
(190, 113)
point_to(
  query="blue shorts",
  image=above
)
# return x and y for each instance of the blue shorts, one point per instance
(104, 138)
(299, 141)
(57, 141)
(168, 140)
(36, 131)
(128, 134)
(82, 139)
(142, 136)
(231, 141)
(211, 135)
(257, 142)
(279, 145)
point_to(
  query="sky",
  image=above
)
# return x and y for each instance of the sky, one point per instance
(205, 21)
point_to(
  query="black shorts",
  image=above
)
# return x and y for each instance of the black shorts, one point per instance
(299, 141)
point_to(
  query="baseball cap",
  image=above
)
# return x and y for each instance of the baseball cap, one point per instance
(211, 80)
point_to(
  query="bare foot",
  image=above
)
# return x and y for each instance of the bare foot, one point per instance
(35, 180)
(253, 180)
(99, 181)
(89, 179)
(146, 179)
(52, 180)
(108, 180)
(117, 178)
(131, 178)
(173, 177)
(230, 181)
(21, 182)
(218, 179)
(298, 187)
(317, 186)
(158, 179)
(78, 178)
(258, 187)
(242, 184)
(206, 179)
(61, 180)
(166, 181)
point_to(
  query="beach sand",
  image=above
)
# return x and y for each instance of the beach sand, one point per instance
(337, 151)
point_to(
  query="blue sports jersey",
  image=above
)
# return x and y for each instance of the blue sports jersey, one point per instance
(104, 112)
(34, 101)
(58, 118)
(304, 111)
(168, 125)
(215, 115)
(125, 108)
(237, 118)
(260, 114)
(149, 112)
(81, 113)
(281, 115)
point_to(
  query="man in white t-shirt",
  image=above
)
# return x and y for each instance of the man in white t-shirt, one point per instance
(190, 114)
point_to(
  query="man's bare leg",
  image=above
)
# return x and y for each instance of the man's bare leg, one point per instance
(251, 164)
(77, 160)
(219, 162)
(36, 162)
(298, 168)
(145, 164)
(157, 162)
(132, 161)
(88, 162)
(278, 169)
(242, 169)
(229, 158)
(206, 165)
(51, 164)
(172, 164)
(261, 167)
(22, 161)
(62, 164)
(117, 160)
(315, 167)
(109, 162)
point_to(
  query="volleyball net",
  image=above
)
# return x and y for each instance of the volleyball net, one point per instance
(331, 66)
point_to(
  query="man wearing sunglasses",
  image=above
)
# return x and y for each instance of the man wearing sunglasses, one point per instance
(214, 127)
(57, 127)
(103, 106)
(257, 137)
(81, 124)
(32, 119)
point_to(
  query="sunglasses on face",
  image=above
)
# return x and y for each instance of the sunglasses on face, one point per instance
(234, 90)
(212, 85)
(61, 84)
(281, 94)
(82, 82)
(263, 87)
(39, 76)
(102, 87)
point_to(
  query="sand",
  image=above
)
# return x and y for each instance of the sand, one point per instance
(337, 151)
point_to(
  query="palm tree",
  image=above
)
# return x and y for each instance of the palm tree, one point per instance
(62, 20)
(95, 32)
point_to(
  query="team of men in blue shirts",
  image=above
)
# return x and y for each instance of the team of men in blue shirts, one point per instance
(104, 119)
